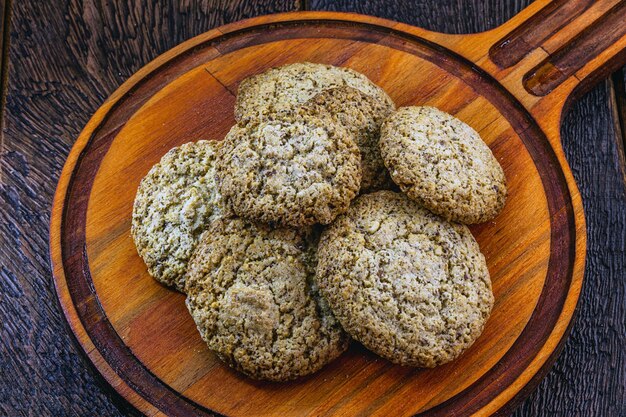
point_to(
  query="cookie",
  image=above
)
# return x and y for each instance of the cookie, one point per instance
(284, 88)
(362, 116)
(292, 169)
(443, 164)
(403, 281)
(174, 204)
(252, 292)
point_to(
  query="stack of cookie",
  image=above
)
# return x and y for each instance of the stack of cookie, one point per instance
(288, 239)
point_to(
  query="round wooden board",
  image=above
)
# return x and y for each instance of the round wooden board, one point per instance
(139, 334)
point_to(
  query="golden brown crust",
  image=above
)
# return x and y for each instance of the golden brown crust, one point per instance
(174, 204)
(292, 168)
(252, 292)
(362, 116)
(443, 164)
(284, 88)
(407, 284)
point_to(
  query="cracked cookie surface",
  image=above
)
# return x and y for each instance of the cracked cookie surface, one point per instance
(283, 88)
(252, 292)
(443, 164)
(362, 116)
(409, 285)
(291, 168)
(174, 204)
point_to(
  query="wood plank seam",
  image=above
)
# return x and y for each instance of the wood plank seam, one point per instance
(232, 93)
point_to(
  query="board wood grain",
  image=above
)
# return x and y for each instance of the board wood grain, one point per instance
(138, 333)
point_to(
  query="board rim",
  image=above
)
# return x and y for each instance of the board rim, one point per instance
(70, 311)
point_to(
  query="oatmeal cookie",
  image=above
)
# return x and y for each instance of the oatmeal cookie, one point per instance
(292, 168)
(252, 292)
(175, 202)
(286, 87)
(443, 164)
(362, 116)
(406, 283)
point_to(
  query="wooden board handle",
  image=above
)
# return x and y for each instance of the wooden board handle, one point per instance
(582, 39)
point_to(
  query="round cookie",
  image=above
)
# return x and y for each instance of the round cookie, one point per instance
(362, 116)
(291, 168)
(283, 88)
(252, 293)
(407, 284)
(443, 164)
(175, 202)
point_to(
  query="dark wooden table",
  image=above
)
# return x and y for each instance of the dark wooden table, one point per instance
(62, 58)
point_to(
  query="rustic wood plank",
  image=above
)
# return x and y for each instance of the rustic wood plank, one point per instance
(4, 25)
(66, 58)
(618, 104)
(5, 18)
(449, 16)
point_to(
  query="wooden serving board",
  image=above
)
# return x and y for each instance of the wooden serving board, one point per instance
(510, 84)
